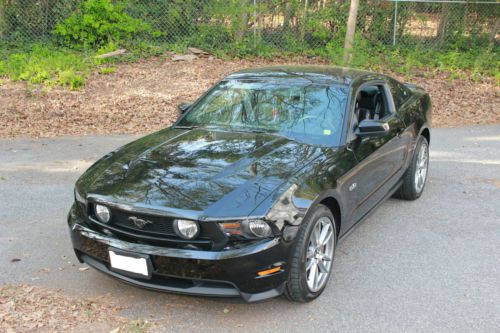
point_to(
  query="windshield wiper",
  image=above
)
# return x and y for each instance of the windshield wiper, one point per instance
(186, 127)
(263, 131)
(258, 130)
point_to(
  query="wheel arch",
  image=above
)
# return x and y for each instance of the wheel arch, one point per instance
(426, 133)
(333, 205)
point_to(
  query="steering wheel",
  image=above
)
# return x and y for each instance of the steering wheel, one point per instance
(320, 120)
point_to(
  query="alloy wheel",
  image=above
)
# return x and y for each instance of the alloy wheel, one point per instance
(422, 166)
(320, 254)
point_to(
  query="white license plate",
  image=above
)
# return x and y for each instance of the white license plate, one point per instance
(129, 264)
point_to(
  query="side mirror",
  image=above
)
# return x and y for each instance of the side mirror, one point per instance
(369, 128)
(183, 107)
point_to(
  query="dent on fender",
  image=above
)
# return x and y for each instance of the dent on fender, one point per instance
(288, 212)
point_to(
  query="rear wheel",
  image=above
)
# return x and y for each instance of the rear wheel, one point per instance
(415, 177)
(312, 256)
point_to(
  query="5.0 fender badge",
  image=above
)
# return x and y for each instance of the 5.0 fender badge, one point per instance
(353, 187)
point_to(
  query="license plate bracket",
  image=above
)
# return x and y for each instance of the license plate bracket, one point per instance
(131, 264)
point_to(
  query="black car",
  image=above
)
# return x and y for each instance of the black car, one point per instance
(249, 191)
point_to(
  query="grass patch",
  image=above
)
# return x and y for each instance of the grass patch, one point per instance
(107, 70)
(51, 65)
(48, 65)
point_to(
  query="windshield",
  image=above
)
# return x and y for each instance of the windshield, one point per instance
(293, 108)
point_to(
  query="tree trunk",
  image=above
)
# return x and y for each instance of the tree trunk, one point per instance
(351, 29)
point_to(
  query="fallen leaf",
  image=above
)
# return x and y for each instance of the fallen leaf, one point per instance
(155, 88)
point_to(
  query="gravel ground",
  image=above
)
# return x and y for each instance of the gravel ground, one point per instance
(142, 97)
(425, 266)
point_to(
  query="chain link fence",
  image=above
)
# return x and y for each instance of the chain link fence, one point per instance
(283, 25)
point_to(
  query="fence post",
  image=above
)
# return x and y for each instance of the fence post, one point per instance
(395, 27)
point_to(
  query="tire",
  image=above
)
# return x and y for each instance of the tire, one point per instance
(410, 190)
(299, 288)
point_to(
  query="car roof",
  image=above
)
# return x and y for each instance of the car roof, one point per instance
(315, 73)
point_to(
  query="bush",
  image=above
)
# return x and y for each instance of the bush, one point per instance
(97, 23)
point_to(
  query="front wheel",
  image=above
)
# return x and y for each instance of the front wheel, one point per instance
(415, 177)
(312, 256)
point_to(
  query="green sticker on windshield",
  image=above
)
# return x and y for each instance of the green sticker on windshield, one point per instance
(327, 132)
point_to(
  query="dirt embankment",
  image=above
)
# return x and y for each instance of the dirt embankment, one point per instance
(142, 97)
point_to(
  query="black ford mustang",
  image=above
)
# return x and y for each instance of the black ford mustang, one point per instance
(249, 191)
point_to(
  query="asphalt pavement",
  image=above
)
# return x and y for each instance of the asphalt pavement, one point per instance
(431, 265)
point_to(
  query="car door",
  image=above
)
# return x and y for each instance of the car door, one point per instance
(380, 159)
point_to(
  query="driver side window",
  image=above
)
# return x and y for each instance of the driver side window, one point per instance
(370, 103)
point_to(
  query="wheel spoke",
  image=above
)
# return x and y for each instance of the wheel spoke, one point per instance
(317, 277)
(309, 264)
(326, 233)
(317, 234)
(313, 274)
(322, 267)
(326, 258)
(423, 162)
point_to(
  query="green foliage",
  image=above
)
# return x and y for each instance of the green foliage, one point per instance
(3, 68)
(99, 22)
(237, 28)
(71, 79)
(47, 65)
(107, 70)
(407, 60)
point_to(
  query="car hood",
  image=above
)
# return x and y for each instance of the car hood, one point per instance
(196, 173)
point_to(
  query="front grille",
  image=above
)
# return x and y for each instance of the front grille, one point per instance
(95, 249)
(159, 225)
(159, 232)
(194, 268)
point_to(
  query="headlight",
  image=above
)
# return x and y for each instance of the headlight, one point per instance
(259, 228)
(186, 229)
(103, 213)
(247, 229)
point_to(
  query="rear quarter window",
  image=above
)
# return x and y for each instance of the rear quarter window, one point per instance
(400, 93)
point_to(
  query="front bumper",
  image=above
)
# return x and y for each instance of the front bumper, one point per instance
(227, 273)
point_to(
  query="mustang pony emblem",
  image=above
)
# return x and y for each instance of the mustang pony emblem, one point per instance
(140, 223)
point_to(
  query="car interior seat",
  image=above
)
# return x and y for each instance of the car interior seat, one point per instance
(369, 104)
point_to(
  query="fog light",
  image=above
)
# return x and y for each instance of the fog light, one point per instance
(186, 229)
(102, 213)
(259, 228)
